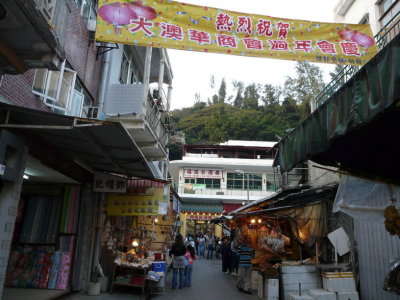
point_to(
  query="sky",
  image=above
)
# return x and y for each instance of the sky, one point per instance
(192, 70)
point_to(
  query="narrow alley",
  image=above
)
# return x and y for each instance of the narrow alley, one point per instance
(208, 282)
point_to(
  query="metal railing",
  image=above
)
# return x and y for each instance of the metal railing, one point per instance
(217, 190)
(382, 38)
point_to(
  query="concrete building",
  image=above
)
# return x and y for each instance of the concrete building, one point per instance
(72, 108)
(216, 179)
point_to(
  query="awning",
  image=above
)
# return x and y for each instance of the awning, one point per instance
(356, 129)
(202, 207)
(96, 145)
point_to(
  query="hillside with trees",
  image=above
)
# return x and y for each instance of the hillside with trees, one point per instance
(259, 112)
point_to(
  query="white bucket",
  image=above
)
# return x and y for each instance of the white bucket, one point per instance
(94, 288)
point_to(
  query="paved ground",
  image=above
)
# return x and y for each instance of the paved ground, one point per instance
(208, 282)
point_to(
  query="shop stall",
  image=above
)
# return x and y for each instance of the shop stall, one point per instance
(43, 245)
(138, 229)
(287, 235)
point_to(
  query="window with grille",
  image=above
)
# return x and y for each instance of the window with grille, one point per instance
(56, 90)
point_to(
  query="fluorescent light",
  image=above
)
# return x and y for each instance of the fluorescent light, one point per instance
(25, 176)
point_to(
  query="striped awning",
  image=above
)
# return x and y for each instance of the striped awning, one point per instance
(202, 207)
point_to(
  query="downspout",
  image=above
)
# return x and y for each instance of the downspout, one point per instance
(146, 76)
(104, 76)
(96, 268)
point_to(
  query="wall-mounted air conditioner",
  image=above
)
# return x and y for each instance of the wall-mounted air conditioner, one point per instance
(94, 112)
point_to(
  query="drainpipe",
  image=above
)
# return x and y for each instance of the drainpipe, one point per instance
(96, 268)
(104, 76)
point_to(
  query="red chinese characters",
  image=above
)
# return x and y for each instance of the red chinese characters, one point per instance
(327, 47)
(264, 27)
(171, 31)
(141, 24)
(253, 44)
(224, 22)
(226, 41)
(350, 48)
(199, 36)
(244, 25)
(303, 46)
(278, 45)
(283, 29)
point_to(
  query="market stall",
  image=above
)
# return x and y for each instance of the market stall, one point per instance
(287, 235)
(138, 228)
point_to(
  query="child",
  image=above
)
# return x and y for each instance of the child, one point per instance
(190, 256)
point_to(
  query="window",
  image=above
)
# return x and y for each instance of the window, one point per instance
(272, 182)
(210, 183)
(55, 88)
(87, 9)
(129, 73)
(239, 181)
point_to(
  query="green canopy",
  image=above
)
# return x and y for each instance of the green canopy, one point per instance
(357, 127)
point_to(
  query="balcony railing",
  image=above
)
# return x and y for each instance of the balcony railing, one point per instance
(222, 191)
(382, 38)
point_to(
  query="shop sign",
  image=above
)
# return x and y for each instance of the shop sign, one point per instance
(202, 173)
(177, 25)
(199, 217)
(134, 205)
(108, 183)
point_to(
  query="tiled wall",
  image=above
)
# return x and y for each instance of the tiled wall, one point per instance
(9, 198)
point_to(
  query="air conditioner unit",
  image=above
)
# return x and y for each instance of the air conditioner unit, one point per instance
(220, 193)
(91, 25)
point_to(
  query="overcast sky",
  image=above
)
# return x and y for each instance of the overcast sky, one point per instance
(192, 70)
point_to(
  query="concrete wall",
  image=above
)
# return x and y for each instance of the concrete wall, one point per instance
(10, 192)
(358, 10)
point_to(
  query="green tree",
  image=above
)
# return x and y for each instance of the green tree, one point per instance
(222, 91)
(305, 86)
(251, 96)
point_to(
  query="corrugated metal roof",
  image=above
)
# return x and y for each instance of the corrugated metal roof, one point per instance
(202, 207)
(248, 143)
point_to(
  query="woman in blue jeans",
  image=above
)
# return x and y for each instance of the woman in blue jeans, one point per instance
(178, 249)
(190, 257)
(201, 241)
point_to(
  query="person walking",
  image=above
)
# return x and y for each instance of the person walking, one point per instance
(234, 258)
(244, 276)
(201, 240)
(178, 250)
(190, 256)
(226, 254)
(210, 241)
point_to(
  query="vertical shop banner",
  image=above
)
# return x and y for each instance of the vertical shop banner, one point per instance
(176, 25)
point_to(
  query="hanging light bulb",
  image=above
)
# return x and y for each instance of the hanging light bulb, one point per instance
(135, 243)
(259, 221)
(253, 221)
(156, 220)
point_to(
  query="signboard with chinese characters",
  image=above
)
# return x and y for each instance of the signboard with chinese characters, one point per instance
(202, 173)
(200, 217)
(108, 183)
(178, 25)
(134, 205)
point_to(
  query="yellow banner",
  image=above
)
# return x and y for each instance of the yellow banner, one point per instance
(134, 205)
(176, 25)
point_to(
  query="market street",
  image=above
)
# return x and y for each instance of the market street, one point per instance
(208, 281)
